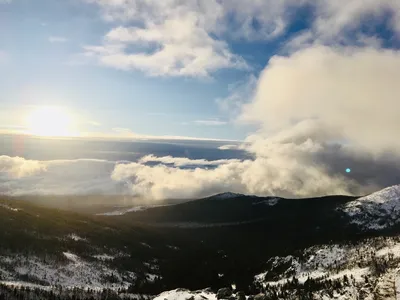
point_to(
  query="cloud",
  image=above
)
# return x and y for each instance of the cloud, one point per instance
(181, 49)
(58, 39)
(184, 38)
(335, 16)
(126, 133)
(289, 165)
(163, 182)
(354, 22)
(320, 111)
(190, 38)
(228, 147)
(352, 91)
(18, 167)
(261, 176)
(184, 161)
(212, 15)
(19, 176)
(240, 92)
(210, 122)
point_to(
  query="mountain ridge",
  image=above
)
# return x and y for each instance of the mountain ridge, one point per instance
(162, 248)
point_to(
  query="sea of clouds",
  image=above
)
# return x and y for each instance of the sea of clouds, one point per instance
(319, 111)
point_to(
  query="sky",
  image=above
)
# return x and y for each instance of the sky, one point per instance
(310, 87)
(160, 68)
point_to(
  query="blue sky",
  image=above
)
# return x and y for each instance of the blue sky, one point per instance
(53, 55)
(43, 38)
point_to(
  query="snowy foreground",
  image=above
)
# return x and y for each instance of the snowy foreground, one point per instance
(71, 272)
(370, 270)
(367, 270)
(68, 270)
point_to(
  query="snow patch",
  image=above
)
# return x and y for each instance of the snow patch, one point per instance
(124, 211)
(9, 207)
(104, 257)
(397, 285)
(72, 257)
(270, 202)
(145, 245)
(182, 294)
(75, 237)
(393, 250)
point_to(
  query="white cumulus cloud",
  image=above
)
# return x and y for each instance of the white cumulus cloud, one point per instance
(191, 38)
(352, 91)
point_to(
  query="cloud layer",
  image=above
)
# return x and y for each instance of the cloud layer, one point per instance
(19, 176)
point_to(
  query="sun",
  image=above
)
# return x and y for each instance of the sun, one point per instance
(50, 121)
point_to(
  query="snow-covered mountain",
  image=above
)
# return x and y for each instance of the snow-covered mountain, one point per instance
(293, 244)
(376, 211)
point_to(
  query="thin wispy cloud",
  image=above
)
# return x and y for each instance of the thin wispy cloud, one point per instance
(120, 133)
(210, 122)
(57, 39)
(240, 93)
(93, 123)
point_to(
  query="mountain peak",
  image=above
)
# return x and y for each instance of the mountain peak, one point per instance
(227, 195)
(377, 210)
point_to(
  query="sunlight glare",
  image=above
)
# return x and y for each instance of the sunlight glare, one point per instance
(50, 121)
